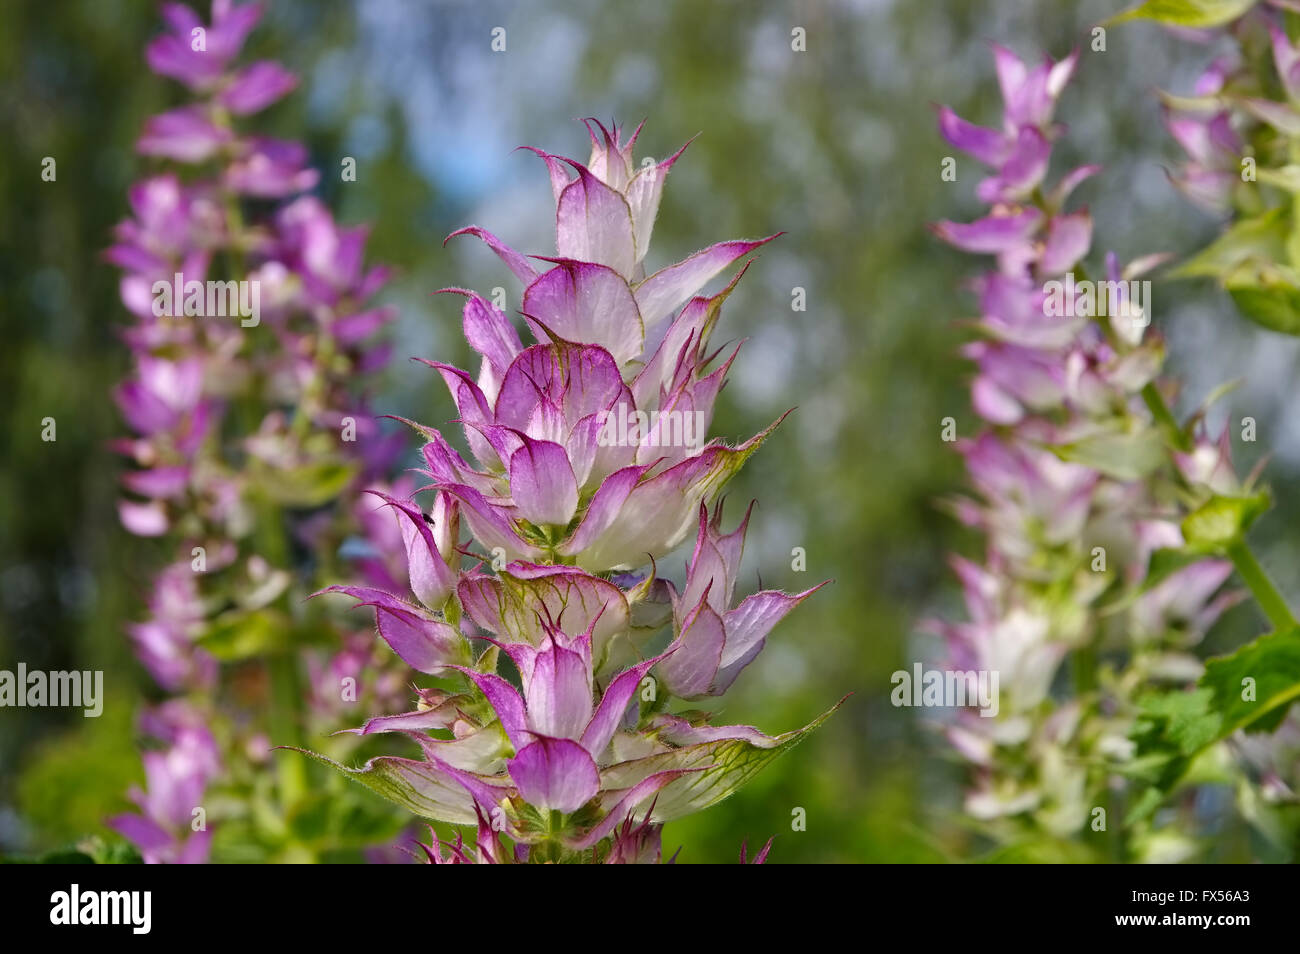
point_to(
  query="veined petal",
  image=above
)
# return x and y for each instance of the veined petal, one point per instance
(604, 508)
(490, 524)
(424, 643)
(558, 692)
(506, 703)
(643, 193)
(690, 670)
(660, 294)
(555, 775)
(688, 333)
(613, 704)
(747, 627)
(482, 752)
(586, 303)
(634, 796)
(577, 602)
(609, 163)
(446, 466)
(429, 645)
(542, 484)
(432, 580)
(488, 330)
(679, 732)
(725, 763)
(594, 223)
(517, 263)
(427, 789)
(631, 522)
(555, 166)
(435, 717)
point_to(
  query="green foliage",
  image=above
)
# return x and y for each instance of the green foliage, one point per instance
(1188, 13)
(1222, 520)
(1249, 689)
(74, 780)
(1251, 261)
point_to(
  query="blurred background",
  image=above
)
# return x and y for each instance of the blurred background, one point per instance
(835, 145)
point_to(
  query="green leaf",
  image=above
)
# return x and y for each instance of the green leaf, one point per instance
(1287, 177)
(1272, 662)
(1250, 262)
(110, 852)
(1261, 239)
(308, 486)
(1269, 302)
(1041, 851)
(1187, 13)
(237, 635)
(1122, 456)
(1175, 729)
(1223, 520)
(1189, 720)
(1191, 104)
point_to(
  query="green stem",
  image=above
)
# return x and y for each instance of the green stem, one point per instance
(286, 701)
(1164, 417)
(1265, 593)
(286, 693)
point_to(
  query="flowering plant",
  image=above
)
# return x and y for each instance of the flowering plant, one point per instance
(551, 728)
(248, 429)
(1111, 526)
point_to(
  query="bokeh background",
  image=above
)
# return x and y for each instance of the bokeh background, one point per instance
(836, 145)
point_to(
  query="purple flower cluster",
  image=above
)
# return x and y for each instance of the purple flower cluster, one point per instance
(588, 466)
(249, 336)
(1077, 483)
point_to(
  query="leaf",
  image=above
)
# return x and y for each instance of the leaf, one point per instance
(1262, 238)
(237, 635)
(308, 486)
(1041, 851)
(1222, 520)
(114, 852)
(727, 765)
(1271, 304)
(1121, 456)
(1189, 720)
(1245, 261)
(1174, 729)
(1287, 177)
(1187, 13)
(1191, 104)
(1272, 661)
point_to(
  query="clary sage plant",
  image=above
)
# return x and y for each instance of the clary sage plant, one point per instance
(249, 436)
(566, 724)
(1111, 526)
